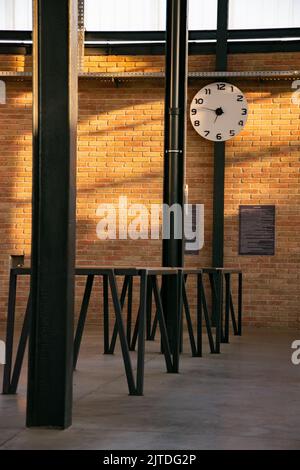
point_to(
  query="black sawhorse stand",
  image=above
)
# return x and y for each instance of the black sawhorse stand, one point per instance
(135, 386)
(201, 313)
(148, 288)
(217, 276)
(12, 374)
(171, 353)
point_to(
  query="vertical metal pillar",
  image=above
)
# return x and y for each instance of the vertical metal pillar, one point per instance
(219, 153)
(53, 227)
(81, 35)
(219, 149)
(174, 146)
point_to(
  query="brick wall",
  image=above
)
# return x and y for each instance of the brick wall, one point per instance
(120, 138)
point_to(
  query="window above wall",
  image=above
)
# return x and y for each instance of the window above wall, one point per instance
(16, 15)
(262, 14)
(144, 15)
(115, 15)
(150, 15)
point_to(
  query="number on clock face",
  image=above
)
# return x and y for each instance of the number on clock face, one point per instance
(219, 111)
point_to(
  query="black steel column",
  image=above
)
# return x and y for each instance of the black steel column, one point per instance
(219, 154)
(53, 227)
(174, 147)
(219, 150)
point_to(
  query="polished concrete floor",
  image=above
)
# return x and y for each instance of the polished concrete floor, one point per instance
(246, 398)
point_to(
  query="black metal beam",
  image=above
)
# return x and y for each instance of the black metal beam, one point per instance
(175, 116)
(15, 49)
(208, 48)
(14, 35)
(268, 33)
(93, 44)
(205, 35)
(53, 227)
(174, 148)
(222, 35)
(194, 35)
(218, 205)
(204, 48)
(125, 49)
(127, 36)
(219, 147)
(263, 47)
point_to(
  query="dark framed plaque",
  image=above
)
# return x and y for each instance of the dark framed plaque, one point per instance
(257, 230)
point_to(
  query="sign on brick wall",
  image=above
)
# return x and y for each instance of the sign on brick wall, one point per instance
(257, 230)
(195, 244)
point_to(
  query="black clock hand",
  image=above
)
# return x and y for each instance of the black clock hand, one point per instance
(209, 109)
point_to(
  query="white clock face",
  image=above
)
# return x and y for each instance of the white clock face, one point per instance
(219, 111)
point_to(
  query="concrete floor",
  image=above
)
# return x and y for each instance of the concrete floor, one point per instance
(246, 398)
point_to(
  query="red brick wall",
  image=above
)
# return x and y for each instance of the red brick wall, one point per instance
(120, 138)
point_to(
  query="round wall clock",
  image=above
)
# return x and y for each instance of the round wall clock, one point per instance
(219, 111)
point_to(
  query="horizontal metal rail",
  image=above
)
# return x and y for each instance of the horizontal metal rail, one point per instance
(153, 42)
(194, 35)
(263, 74)
(136, 48)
